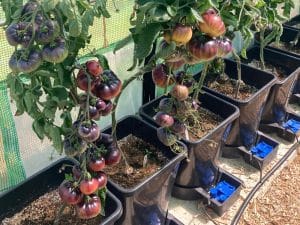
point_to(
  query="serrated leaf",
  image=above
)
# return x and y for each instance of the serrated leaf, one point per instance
(55, 136)
(49, 5)
(49, 112)
(145, 40)
(196, 15)
(75, 26)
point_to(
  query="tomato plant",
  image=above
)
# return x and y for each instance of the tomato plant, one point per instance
(50, 82)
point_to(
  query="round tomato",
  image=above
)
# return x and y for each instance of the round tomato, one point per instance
(89, 132)
(94, 68)
(89, 208)
(47, 32)
(102, 179)
(108, 86)
(203, 49)
(113, 155)
(28, 63)
(82, 80)
(180, 92)
(180, 34)
(19, 33)
(163, 119)
(212, 24)
(56, 51)
(224, 47)
(69, 194)
(96, 164)
(166, 137)
(160, 76)
(74, 146)
(88, 186)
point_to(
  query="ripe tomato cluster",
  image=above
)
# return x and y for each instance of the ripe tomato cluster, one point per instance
(38, 38)
(95, 150)
(83, 188)
(201, 42)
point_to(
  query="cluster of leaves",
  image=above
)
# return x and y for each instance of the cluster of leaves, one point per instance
(49, 94)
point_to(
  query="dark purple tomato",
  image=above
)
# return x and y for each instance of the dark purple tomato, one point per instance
(89, 132)
(19, 33)
(69, 194)
(224, 47)
(89, 208)
(100, 104)
(55, 52)
(105, 139)
(82, 80)
(164, 119)
(29, 8)
(28, 63)
(112, 156)
(166, 137)
(108, 87)
(160, 76)
(47, 32)
(109, 107)
(203, 50)
(94, 113)
(102, 179)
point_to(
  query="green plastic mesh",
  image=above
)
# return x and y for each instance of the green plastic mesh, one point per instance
(11, 168)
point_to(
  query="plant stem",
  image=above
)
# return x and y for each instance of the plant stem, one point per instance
(201, 81)
(116, 101)
(262, 46)
(88, 97)
(239, 73)
(105, 41)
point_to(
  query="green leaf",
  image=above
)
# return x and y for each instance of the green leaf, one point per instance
(50, 112)
(66, 8)
(59, 93)
(171, 10)
(103, 61)
(38, 128)
(29, 99)
(123, 43)
(145, 40)
(196, 15)
(75, 27)
(49, 5)
(55, 136)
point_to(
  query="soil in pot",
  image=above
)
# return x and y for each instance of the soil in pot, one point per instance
(227, 86)
(289, 47)
(42, 211)
(276, 70)
(203, 122)
(144, 158)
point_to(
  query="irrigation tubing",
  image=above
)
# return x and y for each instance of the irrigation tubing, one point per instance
(258, 185)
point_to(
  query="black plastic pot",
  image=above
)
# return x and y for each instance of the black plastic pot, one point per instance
(200, 170)
(293, 23)
(289, 35)
(244, 130)
(146, 203)
(275, 110)
(48, 179)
